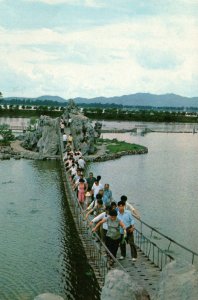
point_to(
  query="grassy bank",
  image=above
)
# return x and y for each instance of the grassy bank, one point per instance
(115, 146)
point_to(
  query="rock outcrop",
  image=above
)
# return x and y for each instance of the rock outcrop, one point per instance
(45, 138)
(43, 142)
(179, 281)
(118, 285)
(83, 133)
(98, 128)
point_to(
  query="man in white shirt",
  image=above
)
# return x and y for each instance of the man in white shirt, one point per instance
(81, 163)
(64, 140)
(96, 187)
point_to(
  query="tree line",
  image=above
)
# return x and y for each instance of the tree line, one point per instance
(28, 107)
(141, 115)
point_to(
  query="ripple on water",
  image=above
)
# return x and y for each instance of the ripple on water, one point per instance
(33, 199)
(13, 286)
(34, 211)
(40, 249)
(7, 182)
(12, 212)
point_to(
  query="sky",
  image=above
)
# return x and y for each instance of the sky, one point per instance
(91, 48)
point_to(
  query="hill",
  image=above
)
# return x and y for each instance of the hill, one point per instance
(41, 98)
(145, 99)
(51, 98)
(139, 99)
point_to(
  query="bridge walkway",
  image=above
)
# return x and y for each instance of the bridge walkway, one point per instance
(143, 271)
(151, 258)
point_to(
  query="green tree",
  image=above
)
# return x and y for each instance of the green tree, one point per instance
(6, 134)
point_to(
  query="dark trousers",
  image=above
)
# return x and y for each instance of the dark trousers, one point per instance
(112, 245)
(103, 233)
(130, 241)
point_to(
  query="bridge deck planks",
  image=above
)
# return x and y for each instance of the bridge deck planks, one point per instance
(143, 271)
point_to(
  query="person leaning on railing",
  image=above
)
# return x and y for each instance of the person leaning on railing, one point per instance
(113, 233)
(104, 227)
(96, 209)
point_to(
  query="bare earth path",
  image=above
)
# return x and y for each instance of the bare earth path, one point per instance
(16, 146)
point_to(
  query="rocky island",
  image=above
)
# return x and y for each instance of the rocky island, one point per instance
(43, 141)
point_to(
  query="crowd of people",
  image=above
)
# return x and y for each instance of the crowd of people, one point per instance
(112, 220)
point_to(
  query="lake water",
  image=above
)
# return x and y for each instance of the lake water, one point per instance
(159, 127)
(162, 184)
(15, 121)
(39, 247)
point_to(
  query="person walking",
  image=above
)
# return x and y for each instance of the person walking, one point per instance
(62, 127)
(113, 232)
(81, 192)
(64, 140)
(107, 195)
(70, 139)
(126, 217)
(90, 181)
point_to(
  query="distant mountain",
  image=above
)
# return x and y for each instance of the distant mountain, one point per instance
(51, 98)
(41, 98)
(139, 99)
(145, 99)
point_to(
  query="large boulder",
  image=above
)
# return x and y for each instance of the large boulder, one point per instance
(45, 139)
(179, 281)
(83, 132)
(119, 286)
(30, 140)
(98, 128)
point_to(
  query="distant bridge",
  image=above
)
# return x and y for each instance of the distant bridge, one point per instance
(18, 127)
(140, 129)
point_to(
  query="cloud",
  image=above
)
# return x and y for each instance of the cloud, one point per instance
(157, 56)
(87, 3)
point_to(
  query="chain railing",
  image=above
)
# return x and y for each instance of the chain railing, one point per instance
(161, 252)
(97, 253)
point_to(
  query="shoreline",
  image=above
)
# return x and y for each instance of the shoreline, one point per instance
(16, 151)
(104, 156)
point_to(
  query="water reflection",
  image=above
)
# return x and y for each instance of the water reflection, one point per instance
(40, 250)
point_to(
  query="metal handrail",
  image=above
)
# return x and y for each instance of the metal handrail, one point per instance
(193, 253)
(97, 252)
(98, 248)
(151, 250)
